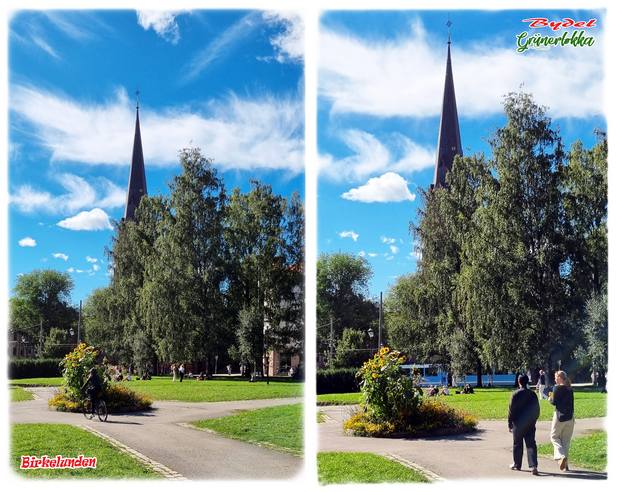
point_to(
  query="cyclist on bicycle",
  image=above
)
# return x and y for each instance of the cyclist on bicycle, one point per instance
(93, 386)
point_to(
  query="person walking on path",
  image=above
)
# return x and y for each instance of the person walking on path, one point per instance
(542, 384)
(181, 372)
(563, 422)
(523, 413)
(174, 372)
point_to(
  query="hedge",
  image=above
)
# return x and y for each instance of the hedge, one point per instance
(336, 381)
(34, 368)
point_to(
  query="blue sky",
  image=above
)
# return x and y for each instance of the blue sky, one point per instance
(381, 78)
(230, 82)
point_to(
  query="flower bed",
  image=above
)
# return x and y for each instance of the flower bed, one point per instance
(76, 366)
(118, 398)
(393, 405)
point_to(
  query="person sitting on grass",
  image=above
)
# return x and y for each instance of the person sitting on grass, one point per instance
(433, 391)
(93, 386)
(468, 390)
(523, 413)
(445, 391)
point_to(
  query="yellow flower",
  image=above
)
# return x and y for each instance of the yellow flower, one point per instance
(375, 375)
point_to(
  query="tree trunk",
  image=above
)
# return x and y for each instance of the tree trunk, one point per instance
(478, 373)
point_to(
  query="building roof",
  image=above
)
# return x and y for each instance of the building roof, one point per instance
(449, 142)
(136, 188)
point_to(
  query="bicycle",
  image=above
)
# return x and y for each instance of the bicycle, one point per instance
(101, 409)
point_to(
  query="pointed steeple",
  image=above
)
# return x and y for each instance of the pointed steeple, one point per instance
(136, 188)
(449, 143)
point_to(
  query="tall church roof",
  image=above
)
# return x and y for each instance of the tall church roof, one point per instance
(136, 188)
(449, 143)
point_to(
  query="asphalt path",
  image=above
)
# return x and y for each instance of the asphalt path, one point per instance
(162, 435)
(483, 454)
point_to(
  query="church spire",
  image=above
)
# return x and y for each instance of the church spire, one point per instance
(136, 188)
(449, 143)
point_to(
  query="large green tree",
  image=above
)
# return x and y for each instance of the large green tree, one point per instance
(42, 299)
(264, 237)
(342, 299)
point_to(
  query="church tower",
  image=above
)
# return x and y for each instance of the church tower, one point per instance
(136, 188)
(449, 143)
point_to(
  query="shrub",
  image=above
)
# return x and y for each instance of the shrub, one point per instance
(336, 381)
(34, 368)
(118, 398)
(77, 364)
(388, 394)
(432, 418)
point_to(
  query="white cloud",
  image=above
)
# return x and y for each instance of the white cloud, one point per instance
(393, 249)
(390, 187)
(45, 46)
(96, 268)
(220, 46)
(93, 220)
(352, 234)
(90, 259)
(362, 253)
(27, 242)
(80, 194)
(60, 256)
(289, 44)
(162, 22)
(405, 76)
(239, 134)
(372, 255)
(387, 240)
(371, 156)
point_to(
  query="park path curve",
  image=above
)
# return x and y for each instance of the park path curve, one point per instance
(484, 454)
(159, 435)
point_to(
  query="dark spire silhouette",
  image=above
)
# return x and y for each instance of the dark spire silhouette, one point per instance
(136, 188)
(449, 143)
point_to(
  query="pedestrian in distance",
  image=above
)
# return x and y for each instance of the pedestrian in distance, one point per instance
(563, 422)
(523, 413)
(174, 372)
(181, 372)
(542, 385)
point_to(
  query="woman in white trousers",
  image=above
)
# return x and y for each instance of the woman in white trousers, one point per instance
(563, 422)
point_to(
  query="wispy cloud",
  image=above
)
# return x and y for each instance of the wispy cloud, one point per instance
(45, 46)
(60, 256)
(372, 156)
(288, 44)
(350, 234)
(240, 134)
(162, 22)
(92, 220)
(389, 187)
(73, 24)
(79, 194)
(406, 78)
(220, 46)
(27, 242)
(90, 259)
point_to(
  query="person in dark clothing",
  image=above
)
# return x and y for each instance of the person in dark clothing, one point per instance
(93, 386)
(523, 413)
(563, 422)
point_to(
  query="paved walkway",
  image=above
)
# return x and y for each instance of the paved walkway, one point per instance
(159, 435)
(484, 454)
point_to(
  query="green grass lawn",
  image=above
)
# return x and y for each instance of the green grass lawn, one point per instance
(338, 468)
(280, 427)
(36, 382)
(587, 451)
(162, 388)
(492, 404)
(20, 394)
(69, 441)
